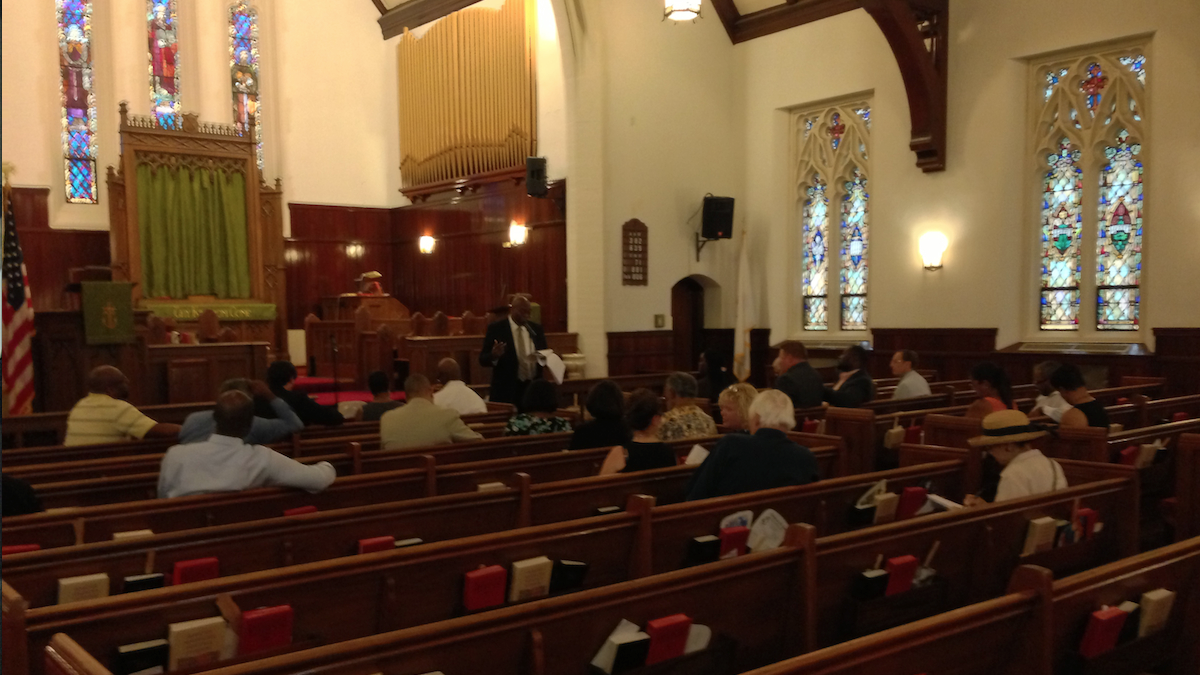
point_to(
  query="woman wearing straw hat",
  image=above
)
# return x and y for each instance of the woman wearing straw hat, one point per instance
(1027, 472)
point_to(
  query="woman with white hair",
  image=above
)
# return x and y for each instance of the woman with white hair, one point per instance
(762, 460)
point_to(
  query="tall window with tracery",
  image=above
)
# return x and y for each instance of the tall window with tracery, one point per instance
(830, 147)
(163, 33)
(243, 63)
(1088, 131)
(78, 100)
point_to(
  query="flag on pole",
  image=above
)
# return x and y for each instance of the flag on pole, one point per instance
(741, 331)
(18, 320)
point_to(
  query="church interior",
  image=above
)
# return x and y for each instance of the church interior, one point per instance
(310, 194)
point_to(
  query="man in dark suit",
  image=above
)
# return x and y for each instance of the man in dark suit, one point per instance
(280, 377)
(854, 386)
(796, 377)
(510, 348)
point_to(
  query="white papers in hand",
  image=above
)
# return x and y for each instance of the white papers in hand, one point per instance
(696, 456)
(550, 360)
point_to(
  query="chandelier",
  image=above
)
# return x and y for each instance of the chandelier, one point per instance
(682, 10)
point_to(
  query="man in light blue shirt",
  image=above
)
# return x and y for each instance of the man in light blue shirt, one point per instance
(200, 425)
(912, 384)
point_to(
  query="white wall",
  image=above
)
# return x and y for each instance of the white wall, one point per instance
(989, 278)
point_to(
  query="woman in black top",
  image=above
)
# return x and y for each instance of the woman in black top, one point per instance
(1087, 411)
(644, 452)
(606, 405)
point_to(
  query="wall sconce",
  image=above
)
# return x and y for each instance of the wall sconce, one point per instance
(355, 250)
(517, 235)
(682, 10)
(426, 244)
(291, 256)
(933, 245)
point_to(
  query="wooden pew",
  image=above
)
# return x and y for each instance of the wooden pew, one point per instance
(1186, 517)
(999, 529)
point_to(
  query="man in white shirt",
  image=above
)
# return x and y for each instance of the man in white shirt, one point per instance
(1049, 402)
(225, 463)
(455, 394)
(1027, 472)
(912, 384)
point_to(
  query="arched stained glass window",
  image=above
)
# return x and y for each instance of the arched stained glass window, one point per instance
(855, 212)
(1075, 152)
(828, 143)
(1062, 237)
(78, 100)
(816, 258)
(243, 63)
(1119, 245)
(163, 34)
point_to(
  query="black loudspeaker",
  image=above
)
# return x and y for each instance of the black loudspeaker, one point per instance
(535, 176)
(717, 221)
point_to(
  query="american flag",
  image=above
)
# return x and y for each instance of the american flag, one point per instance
(18, 321)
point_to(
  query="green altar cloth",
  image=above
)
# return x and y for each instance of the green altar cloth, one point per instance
(226, 311)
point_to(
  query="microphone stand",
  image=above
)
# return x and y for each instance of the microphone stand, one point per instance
(333, 339)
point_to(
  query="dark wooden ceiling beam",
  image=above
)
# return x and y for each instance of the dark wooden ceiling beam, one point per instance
(728, 13)
(380, 6)
(417, 12)
(918, 32)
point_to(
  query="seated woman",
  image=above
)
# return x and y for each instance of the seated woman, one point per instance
(991, 383)
(1026, 472)
(644, 452)
(606, 405)
(540, 406)
(735, 403)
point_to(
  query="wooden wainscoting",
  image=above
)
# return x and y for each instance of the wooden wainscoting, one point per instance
(950, 351)
(1177, 358)
(50, 253)
(645, 351)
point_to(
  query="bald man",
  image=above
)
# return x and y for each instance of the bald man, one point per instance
(104, 416)
(455, 394)
(226, 463)
(509, 349)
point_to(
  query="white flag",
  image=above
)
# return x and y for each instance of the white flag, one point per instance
(741, 331)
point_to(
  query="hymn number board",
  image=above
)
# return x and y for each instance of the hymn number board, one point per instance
(634, 242)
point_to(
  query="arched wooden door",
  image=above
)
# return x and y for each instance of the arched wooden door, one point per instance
(687, 320)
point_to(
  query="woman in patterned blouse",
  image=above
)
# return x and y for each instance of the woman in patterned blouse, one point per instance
(540, 405)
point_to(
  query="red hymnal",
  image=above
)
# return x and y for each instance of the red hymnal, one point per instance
(1179, 417)
(1123, 400)
(187, 571)
(20, 548)
(1103, 629)
(668, 637)
(265, 628)
(810, 426)
(913, 434)
(900, 573)
(376, 544)
(484, 588)
(1130, 455)
(911, 500)
(733, 541)
(1086, 519)
(300, 510)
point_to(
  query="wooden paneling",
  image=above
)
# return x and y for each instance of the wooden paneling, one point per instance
(50, 253)
(1177, 356)
(636, 352)
(950, 351)
(761, 355)
(1100, 368)
(192, 373)
(62, 360)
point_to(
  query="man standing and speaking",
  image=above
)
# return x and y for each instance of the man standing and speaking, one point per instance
(510, 349)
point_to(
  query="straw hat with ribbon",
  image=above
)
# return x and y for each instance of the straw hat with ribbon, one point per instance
(1007, 426)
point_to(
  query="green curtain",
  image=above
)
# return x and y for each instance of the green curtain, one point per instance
(193, 232)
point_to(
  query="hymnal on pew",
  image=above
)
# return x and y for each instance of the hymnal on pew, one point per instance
(668, 637)
(885, 507)
(1156, 609)
(1103, 629)
(494, 485)
(143, 582)
(484, 587)
(141, 658)
(733, 541)
(265, 628)
(768, 531)
(901, 571)
(605, 510)
(1040, 536)
(199, 569)
(85, 587)
(624, 649)
(863, 512)
(530, 579)
(132, 534)
(373, 544)
(1129, 631)
(411, 541)
(300, 510)
(20, 548)
(567, 575)
(196, 643)
(871, 583)
(703, 549)
(911, 501)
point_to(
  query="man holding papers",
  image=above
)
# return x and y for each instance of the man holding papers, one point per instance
(510, 349)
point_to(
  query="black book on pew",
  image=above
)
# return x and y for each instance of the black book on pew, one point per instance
(142, 658)
(567, 575)
(702, 550)
(142, 582)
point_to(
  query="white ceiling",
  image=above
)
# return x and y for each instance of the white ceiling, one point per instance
(747, 6)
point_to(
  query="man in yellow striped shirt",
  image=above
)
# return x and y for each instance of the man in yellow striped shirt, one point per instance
(104, 416)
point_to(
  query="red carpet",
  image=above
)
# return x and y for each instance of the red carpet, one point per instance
(316, 385)
(326, 397)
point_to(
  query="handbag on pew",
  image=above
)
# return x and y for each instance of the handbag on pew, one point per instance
(892, 438)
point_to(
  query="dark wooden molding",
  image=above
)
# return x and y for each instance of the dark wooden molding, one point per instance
(465, 185)
(380, 6)
(918, 32)
(416, 13)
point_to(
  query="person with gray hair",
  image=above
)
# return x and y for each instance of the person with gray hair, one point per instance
(226, 463)
(200, 425)
(765, 459)
(1049, 402)
(683, 419)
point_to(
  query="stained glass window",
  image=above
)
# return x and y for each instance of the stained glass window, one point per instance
(1099, 147)
(162, 29)
(1062, 236)
(832, 142)
(854, 253)
(816, 259)
(78, 100)
(243, 62)
(1119, 244)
